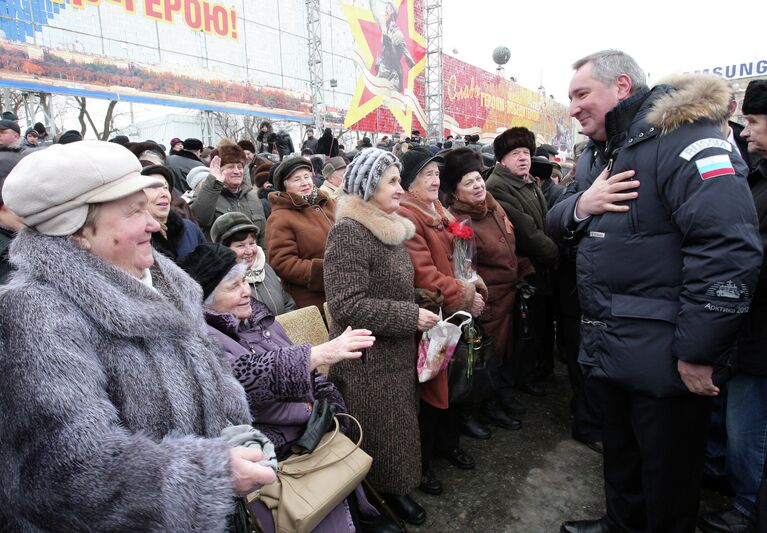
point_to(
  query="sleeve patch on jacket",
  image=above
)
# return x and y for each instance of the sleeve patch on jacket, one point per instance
(698, 146)
(715, 165)
(728, 289)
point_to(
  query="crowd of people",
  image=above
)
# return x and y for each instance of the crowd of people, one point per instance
(147, 384)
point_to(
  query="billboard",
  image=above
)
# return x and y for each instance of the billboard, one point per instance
(479, 102)
(252, 57)
(225, 55)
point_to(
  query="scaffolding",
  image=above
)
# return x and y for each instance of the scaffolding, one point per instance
(316, 75)
(435, 114)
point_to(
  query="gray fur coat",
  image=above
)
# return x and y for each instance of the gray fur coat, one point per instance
(112, 398)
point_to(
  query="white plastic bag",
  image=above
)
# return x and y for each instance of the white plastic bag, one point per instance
(437, 345)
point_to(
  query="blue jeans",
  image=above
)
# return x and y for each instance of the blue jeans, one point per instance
(746, 438)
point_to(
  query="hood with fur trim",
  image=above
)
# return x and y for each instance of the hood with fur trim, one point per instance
(693, 97)
(391, 229)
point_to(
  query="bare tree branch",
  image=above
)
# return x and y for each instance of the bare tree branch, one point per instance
(108, 120)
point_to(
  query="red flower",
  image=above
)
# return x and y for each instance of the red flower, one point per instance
(460, 230)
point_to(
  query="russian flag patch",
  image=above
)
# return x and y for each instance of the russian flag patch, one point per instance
(715, 165)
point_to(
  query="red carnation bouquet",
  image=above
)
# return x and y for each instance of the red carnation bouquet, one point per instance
(464, 250)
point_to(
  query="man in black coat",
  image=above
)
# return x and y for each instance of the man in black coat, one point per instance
(747, 391)
(668, 256)
(184, 161)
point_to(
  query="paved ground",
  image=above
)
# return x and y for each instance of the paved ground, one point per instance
(526, 481)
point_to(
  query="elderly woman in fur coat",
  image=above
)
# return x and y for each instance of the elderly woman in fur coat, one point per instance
(496, 263)
(113, 397)
(369, 283)
(431, 250)
(279, 377)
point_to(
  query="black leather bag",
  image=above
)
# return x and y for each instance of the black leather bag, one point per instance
(472, 373)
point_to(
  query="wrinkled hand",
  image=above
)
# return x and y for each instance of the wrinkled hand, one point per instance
(478, 305)
(605, 192)
(348, 345)
(246, 473)
(426, 319)
(215, 169)
(697, 378)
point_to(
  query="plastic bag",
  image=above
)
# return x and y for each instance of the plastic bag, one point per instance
(435, 350)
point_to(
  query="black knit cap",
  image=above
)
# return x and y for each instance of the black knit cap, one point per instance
(208, 264)
(288, 167)
(458, 163)
(162, 170)
(413, 161)
(755, 100)
(512, 139)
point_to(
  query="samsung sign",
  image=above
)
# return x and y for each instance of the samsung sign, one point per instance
(738, 70)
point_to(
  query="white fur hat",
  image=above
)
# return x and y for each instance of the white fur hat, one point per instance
(364, 172)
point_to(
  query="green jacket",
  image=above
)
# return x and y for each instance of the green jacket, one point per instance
(213, 200)
(526, 208)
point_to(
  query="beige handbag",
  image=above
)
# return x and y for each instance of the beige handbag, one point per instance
(309, 486)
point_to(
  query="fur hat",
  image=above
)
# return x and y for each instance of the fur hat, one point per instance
(511, 139)
(192, 144)
(260, 174)
(413, 161)
(230, 153)
(162, 170)
(247, 145)
(755, 100)
(120, 139)
(138, 148)
(458, 163)
(208, 264)
(288, 166)
(70, 136)
(365, 171)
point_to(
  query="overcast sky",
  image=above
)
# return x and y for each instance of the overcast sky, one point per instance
(547, 36)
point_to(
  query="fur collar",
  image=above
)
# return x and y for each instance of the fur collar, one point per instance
(423, 211)
(391, 229)
(476, 212)
(693, 97)
(286, 200)
(116, 301)
(186, 154)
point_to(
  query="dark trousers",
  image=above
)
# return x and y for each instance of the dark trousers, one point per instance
(440, 430)
(584, 406)
(533, 337)
(653, 459)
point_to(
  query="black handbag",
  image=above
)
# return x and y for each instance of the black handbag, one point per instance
(472, 373)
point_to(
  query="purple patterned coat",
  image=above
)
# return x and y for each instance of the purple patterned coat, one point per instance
(273, 371)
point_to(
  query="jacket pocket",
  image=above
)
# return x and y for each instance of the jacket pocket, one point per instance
(627, 306)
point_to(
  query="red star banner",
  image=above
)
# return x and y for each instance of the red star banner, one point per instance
(390, 54)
